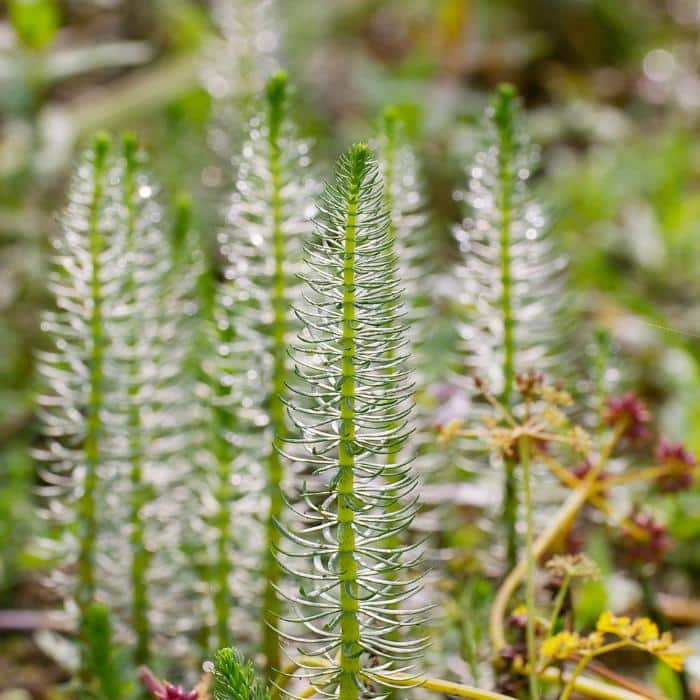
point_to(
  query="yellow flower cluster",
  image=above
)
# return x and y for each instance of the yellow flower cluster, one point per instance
(640, 634)
(567, 645)
(644, 634)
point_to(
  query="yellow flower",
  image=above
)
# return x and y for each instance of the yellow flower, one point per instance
(610, 624)
(645, 630)
(643, 634)
(561, 646)
(593, 641)
(675, 655)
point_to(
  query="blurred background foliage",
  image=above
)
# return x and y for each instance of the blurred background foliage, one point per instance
(613, 92)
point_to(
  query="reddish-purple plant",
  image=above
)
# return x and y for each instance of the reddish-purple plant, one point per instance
(645, 540)
(631, 411)
(681, 462)
(162, 690)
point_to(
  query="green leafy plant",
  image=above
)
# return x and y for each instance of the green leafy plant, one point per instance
(185, 405)
(107, 442)
(261, 242)
(234, 678)
(512, 278)
(84, 281)
(103, 657)
(351, 409)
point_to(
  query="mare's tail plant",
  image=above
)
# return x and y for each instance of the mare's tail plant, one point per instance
(148, 363)
(234, 678)
(261, 241)
(103, 656)
(350, 405)
(513, 281)
(108, 450)
(75, 412)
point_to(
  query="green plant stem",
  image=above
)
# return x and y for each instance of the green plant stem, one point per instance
(590, 687)
(504, 122)
(140, 556)
(212, 333)
(280, 303)
(350, 648)
(571, 682)
(223, 423)
(86, 506)
(559, 602)
(524, 450)
(558, 525)
(586, 686)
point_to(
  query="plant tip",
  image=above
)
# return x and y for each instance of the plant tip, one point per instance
(277, 86)
(130, 144)
(102, 142)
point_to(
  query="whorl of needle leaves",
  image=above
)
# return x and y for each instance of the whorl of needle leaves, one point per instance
(261, 241)
(234, 678)
(85, 280)
(109, 409)
(512, 281)
(351, 406)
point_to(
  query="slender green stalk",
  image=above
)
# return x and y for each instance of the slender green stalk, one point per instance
(276, 96)
(224, 422)
(216, 332)
(350, 649)
(261, 242)
(560, 522)
(586, 686)
(101, 652)
(524, 449)
(559, 602)
(503, 118)
(140, 556)
(189, 262)
(86, 507)
(571, 682)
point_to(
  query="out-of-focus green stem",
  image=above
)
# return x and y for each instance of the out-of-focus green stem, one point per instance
(524, 450)
(559, 602)
(223, 423)
(87, 507)
(586, 686)
(137, 93)
(557, 526)
(140, 556)
(276, 98)
(503, 118)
